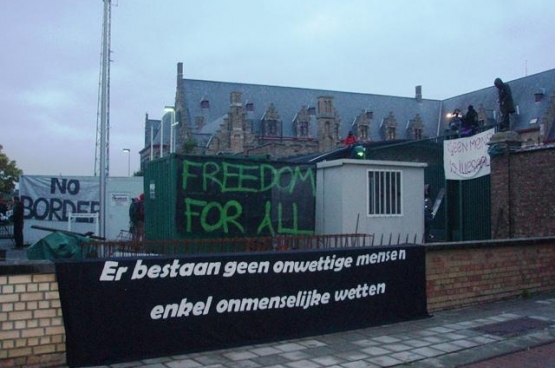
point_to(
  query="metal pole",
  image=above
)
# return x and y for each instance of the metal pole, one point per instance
(151, 142)
(171, 131)
(162, 137)
(104, 118)
(173, 127)
(128, 151)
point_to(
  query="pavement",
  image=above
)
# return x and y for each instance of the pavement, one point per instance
(507, 334)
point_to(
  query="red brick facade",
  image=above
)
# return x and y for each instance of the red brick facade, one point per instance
(522, 197)
(459, 275)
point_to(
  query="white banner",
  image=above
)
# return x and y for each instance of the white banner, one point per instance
(467, 158)
(48, 198)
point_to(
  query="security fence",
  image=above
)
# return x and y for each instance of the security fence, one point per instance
(464, 211)
(108, 249)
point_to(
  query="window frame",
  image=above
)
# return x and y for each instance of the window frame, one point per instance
(388, 202)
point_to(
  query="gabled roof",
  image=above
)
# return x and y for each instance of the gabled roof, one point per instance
(288, 101)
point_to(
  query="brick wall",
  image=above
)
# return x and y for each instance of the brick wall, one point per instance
(32, 333)
(522, 200)
(457, 275)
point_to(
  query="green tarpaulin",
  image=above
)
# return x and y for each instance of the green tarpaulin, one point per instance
(58, 245)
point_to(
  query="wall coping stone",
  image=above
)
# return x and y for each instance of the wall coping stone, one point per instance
(26, 267)
(493, 243)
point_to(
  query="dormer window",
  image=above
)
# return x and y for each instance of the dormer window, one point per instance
(272, 126)
(249, 106)
(417, 133)
(205, 104)
(363, 132)
(390, 133)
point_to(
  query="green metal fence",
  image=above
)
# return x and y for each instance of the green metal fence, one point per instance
(464, 213)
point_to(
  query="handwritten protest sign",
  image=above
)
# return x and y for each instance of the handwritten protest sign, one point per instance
(467, 158)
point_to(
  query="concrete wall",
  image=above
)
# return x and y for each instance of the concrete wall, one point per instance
(457, 275)
(342, 200)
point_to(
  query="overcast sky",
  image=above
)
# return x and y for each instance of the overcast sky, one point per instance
(50, 62)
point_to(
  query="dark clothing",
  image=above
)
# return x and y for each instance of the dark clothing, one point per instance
(17, 218)
(469, 123)
(137, 218)
(428, 218)
(506, 104)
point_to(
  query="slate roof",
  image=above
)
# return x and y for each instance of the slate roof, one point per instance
(522, 89)
(288, 102)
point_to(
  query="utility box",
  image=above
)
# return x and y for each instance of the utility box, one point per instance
(190, 197)
(384, 198)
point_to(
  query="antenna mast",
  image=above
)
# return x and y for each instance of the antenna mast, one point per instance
(103, 130)
(103, 105)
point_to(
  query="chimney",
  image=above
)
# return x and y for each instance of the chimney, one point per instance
(418, 93)
(179, 70)
(235, 99)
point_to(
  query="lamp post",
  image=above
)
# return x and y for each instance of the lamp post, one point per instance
(171, 110)
(162, 137)
(128, 151)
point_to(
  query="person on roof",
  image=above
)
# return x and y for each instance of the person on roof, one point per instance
(506, 104)
(351, 139)
(469, 124)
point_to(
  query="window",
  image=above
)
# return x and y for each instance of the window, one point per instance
(390, 133)
(417, 133)
(272, 127)
(384, 193)
(363, 129)
(304, 129)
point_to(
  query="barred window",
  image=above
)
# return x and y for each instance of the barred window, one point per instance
(384, 193)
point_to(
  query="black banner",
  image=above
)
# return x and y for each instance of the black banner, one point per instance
(223, 197)
(130, 309)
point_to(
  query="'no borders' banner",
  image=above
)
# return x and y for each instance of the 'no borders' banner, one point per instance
(130, 309)
(467, 158)
(52, 199)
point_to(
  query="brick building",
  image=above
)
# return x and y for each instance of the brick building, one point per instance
(210, 117)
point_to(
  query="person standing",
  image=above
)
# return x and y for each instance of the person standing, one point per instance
(469, 122)
(17, 218)
(141, 218)
(137, 218)
(506, 104)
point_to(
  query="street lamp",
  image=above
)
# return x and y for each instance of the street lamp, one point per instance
(171, 110)
(128, 151)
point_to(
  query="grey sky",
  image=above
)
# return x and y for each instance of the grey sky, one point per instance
(51, 59)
